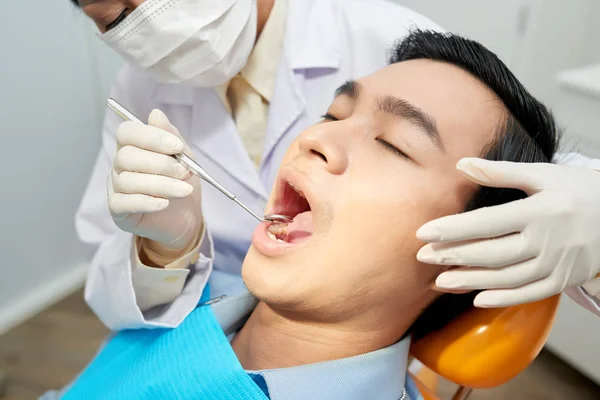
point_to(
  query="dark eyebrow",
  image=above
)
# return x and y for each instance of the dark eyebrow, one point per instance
(350, 89)
(403, 109)
(398, 108)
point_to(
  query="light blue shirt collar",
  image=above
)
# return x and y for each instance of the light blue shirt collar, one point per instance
(376, 375)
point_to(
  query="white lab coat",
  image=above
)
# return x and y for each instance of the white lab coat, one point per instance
(327, 42)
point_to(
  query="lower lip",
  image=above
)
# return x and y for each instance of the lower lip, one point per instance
(267, 246)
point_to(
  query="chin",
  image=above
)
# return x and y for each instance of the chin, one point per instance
(273, 282)
(260, 275)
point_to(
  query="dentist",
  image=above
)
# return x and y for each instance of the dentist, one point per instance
(239, 80)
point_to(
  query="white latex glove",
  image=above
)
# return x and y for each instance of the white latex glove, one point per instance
(150, 194)
(525, 250)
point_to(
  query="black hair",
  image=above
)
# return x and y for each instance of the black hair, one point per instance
(528, 134)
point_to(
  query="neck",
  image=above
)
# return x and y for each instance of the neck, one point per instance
(270, 339)
(264, 8)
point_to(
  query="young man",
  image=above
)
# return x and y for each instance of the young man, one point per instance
(292, 55)
(339, 290)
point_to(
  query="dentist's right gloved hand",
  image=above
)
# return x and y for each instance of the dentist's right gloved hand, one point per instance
(152, 195)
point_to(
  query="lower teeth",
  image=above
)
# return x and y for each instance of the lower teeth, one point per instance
(277, 230)
(274, 237)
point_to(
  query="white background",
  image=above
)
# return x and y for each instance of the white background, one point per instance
(50, 113)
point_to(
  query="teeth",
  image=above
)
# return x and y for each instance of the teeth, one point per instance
(276, 231)
(273, 237)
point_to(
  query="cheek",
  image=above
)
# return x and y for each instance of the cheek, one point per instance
(397, 208)
(380, 222)
(383, 218)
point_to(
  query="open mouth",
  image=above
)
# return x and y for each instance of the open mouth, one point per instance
(292, 202)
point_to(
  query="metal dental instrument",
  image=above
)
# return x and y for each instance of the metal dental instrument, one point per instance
(195, 168)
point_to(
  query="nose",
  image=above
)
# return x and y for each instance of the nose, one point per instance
(325, 142)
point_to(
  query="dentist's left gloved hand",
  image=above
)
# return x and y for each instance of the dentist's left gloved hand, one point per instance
(525, 250)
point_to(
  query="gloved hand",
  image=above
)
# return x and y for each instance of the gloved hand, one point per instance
(525, 250)
(150, 194)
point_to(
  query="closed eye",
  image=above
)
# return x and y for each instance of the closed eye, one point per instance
(393, 148)
(329, 117)
(117, 20)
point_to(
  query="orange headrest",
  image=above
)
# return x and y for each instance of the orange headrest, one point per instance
(484, 348)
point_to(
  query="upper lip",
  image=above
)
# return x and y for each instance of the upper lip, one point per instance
(289, 175)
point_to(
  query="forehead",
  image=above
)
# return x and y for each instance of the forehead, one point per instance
(466, 112)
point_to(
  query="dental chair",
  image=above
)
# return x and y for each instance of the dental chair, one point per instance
(484, 348)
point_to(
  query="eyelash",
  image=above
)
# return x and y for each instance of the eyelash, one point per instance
(392, 148)
(329, 117)
(386, 144)
(117, 20)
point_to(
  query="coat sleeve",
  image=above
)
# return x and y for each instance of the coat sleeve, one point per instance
(587, 296)
(118, 289)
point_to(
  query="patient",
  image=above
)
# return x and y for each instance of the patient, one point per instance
(341, 282)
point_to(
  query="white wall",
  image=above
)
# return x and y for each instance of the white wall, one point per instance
(555, 41)
(105, 61)
(493, 23)
(50, 113)
(535, 38)
(593, 34)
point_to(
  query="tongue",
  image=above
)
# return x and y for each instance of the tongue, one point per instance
(301, 228)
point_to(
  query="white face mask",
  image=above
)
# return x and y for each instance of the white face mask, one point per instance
(200, 43)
